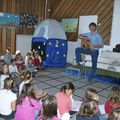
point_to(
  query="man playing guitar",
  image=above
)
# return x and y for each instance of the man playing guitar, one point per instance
(95, 42)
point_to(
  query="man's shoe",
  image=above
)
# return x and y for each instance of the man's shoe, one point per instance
(78, 66)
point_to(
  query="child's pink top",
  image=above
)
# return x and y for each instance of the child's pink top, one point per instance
(54, 118)
(26, 111)
(63, 102)
(108, 107)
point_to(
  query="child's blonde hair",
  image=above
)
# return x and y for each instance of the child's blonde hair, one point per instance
(88, 108)
(114, 95)
(27, 75)
(91, 93)
(9, 83)
(115, 114)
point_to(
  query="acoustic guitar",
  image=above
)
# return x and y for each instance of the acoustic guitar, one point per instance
(85, 43)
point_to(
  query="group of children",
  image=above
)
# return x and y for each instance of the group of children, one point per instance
(89, 107)
(31, 60)
(20, 99)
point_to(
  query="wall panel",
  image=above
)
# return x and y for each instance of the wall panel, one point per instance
(8, 35)
(76, 8)
(59, 9)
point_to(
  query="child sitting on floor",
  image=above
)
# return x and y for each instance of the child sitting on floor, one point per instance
(88, 111)
(91, 94)
(1, 65)
(19, 60)
(29, 55)
(31, 64)
(37, 61)
(49, 111)
(39, 94)
(27, 79)
(7, 100)
(64, 101)
(27, 105)
(31, 67)
(115, 114)
(4, 74)
(8, 57)
(113, 100)
(13, 68)
(22, 72)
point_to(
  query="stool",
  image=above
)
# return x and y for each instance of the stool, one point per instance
(83, 67)
(70, 70)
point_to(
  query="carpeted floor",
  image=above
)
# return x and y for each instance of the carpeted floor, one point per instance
(53, 78)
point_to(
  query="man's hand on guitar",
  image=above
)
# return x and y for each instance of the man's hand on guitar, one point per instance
(85, 43)
(91, 46)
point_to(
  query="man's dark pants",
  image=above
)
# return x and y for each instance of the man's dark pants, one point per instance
(94, 55)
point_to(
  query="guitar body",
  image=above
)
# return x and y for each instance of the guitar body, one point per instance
(85, 43)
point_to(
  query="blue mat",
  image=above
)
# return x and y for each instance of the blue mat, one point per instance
(73, 72)
(100, 78)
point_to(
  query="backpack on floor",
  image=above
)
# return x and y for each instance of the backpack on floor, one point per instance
(117, 48)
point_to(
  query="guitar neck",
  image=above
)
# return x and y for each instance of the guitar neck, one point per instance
(82, 37)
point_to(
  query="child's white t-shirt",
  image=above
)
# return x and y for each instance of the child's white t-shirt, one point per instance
(13, 69)
(6, 99)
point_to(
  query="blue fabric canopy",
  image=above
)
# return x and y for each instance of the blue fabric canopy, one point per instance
(53, 51)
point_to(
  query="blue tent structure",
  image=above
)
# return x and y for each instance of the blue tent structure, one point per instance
(39, 44)
(50, 40)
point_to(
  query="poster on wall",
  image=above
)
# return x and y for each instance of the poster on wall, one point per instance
(8, 20)
(70, 24)
(28, 20)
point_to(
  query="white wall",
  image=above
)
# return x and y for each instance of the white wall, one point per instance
(84, 22)
(23, 43)
(71, 50)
